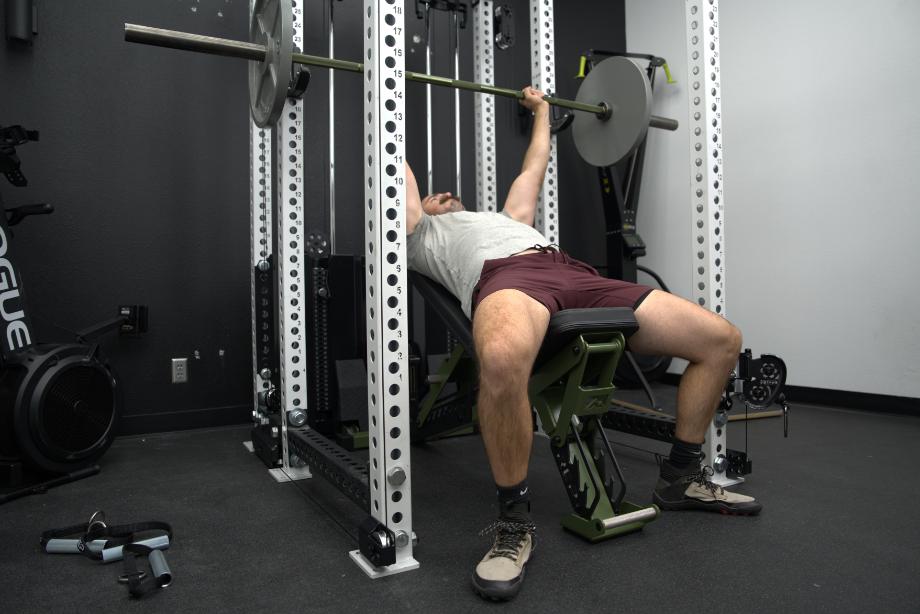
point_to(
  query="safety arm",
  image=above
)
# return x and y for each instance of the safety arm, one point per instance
(521, 203)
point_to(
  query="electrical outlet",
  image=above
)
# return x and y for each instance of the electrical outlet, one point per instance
(179, 370)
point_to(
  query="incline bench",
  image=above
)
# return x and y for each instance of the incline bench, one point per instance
(570, 387)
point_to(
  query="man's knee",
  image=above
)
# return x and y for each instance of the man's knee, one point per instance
(728, 340)
(502, 359)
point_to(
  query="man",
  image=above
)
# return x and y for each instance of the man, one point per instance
(510, 283)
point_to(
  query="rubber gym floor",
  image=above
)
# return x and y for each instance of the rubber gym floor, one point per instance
(838, 532)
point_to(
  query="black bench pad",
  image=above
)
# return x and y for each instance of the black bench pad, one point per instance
(563, 326)
(567, 324)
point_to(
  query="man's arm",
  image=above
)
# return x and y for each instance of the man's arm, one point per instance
(413, 202)
(521, 203)
(433, 204)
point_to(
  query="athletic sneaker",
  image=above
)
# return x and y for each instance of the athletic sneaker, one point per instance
(692, 489)
(500, 573)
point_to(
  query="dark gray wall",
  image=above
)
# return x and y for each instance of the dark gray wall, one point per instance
(144, 152)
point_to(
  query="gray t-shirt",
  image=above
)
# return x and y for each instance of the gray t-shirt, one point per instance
(450, 248)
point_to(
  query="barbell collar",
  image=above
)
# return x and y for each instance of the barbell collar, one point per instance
(606, 112)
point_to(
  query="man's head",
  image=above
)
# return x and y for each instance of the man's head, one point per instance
(445, 202)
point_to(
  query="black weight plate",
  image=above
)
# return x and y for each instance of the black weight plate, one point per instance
(272, 25)
(622, 86)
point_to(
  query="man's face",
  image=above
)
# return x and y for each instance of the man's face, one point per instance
(445, 202)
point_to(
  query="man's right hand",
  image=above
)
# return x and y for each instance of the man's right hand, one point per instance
(521, 203)
(533, 99)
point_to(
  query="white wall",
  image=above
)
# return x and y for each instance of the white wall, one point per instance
(821, 137)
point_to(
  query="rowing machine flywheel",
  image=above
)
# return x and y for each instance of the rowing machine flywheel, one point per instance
(59, 407)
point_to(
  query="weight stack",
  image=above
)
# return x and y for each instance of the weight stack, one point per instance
(336, 309)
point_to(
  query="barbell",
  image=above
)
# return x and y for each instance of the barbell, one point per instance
(614, 99)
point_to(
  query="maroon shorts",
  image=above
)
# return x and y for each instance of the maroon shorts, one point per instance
(558, 281)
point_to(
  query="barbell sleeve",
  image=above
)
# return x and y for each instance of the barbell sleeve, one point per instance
(665, 123)
(187, 41)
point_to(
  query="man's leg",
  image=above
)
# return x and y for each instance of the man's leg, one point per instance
(508, 329)
(672, 326)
